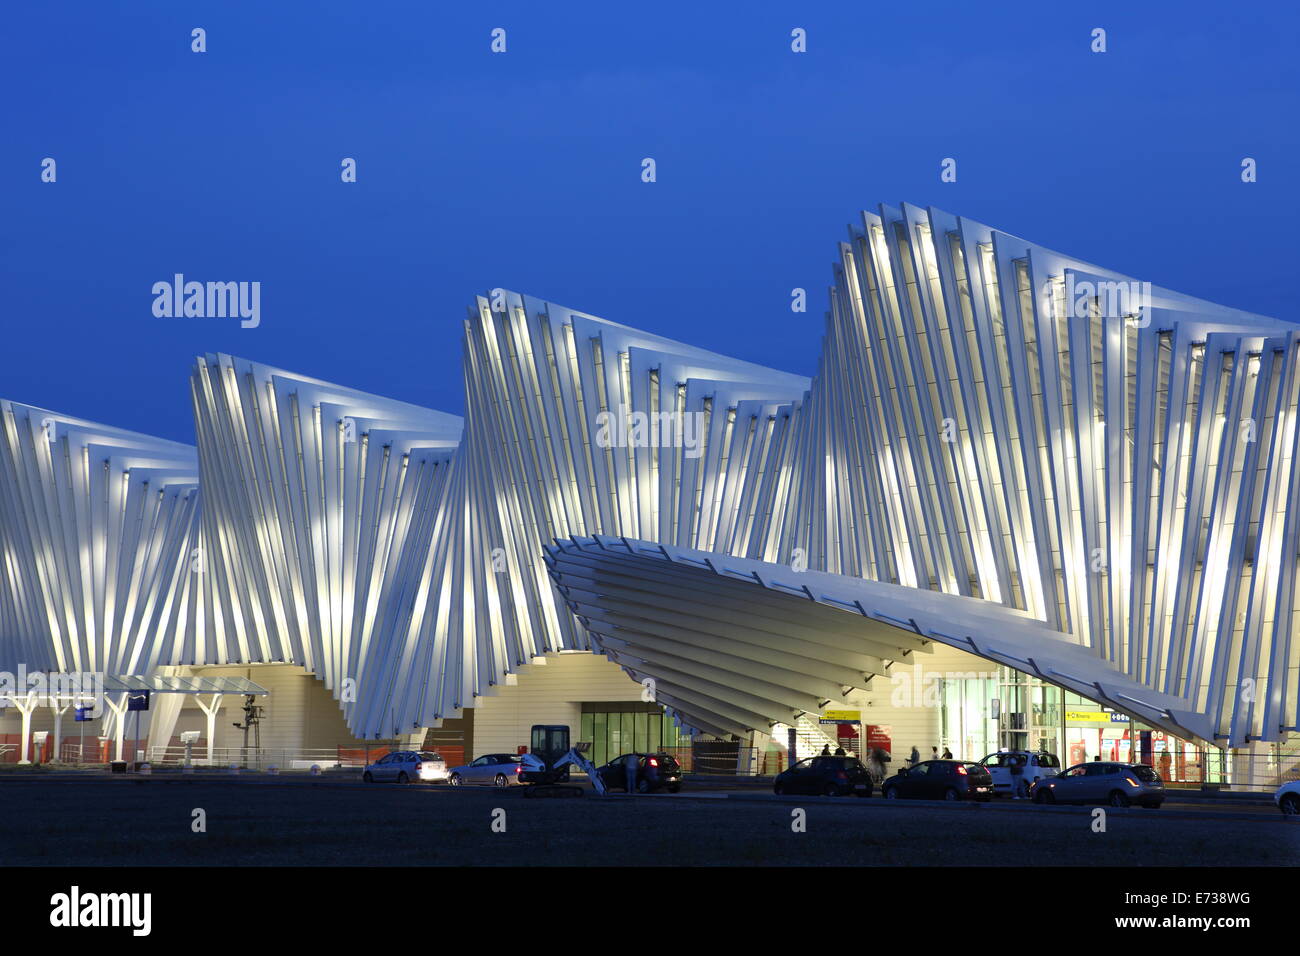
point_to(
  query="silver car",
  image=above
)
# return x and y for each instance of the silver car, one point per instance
(404, 766)
(491, 770)
(1117, 784)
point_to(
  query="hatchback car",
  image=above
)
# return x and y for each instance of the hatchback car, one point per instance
(490, 770)
(826, 776)
(654, 772)
(1287, 798)
(1118, 784)
(1032, 767)
(941, 780)
(403, 766)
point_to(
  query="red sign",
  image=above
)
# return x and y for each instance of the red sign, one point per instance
(878, 738)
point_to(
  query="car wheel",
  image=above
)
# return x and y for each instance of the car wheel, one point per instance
(1118, 798)
(951, 794)
(863, 793)
(643, 786)
(1043, 797)
(454, 780)
(1153, 806)
(890, 793)
(402, 777)
(779, 789)
(368, 777)
(675, 788)
(501, 781)
(831, 790)
(1290, 804)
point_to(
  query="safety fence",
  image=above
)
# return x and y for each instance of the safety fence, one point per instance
(713, 756)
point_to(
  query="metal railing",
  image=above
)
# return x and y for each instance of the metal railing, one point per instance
(95, 753)
(258, 759)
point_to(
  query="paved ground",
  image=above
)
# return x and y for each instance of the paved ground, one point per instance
(70, 819)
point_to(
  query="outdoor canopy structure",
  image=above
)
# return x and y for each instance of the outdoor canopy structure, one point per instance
(1045, 463)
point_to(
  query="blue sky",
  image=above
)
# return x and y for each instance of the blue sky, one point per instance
(522, 170)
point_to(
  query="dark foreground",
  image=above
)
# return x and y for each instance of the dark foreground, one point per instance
(101, 821)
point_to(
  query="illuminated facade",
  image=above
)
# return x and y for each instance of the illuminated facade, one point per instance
(1108, 467)
(97, 530)
(1004, 450)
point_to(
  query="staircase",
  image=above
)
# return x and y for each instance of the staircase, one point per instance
(809, 737)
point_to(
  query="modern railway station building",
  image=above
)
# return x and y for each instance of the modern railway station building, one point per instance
(1024, 501)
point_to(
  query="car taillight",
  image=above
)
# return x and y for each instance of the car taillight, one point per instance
(519, 769)
(961, 770)
(653, 762)
(841, 775)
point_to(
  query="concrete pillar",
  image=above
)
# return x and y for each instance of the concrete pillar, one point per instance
(58, 731)
(26, 737)
(210, 710)
(119, 724)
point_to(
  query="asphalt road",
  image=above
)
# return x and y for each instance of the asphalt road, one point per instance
(255, 819)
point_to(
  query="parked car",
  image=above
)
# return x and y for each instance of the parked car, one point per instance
(827, 776)
(941, 780)
(494, 770)
(1287, 798)
(1033, 767)
(654, 772)
(1097, 782)
(403, 766)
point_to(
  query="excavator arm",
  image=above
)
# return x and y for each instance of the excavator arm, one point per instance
(535, 765)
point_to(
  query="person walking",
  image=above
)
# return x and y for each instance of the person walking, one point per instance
(839, 752)
(630, 763)
(934, 753)
(826, 750)
(876, 765)
(915, 758)
(947, 754)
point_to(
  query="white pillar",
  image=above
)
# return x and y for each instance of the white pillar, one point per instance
(210, 710)
(58, 729)
(25, 707)
(119, 723)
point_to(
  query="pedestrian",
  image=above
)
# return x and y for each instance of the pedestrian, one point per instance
(947, 754)
(1019, 787)
(826, 750)
(876, 765)
(915, 758)
(630, 763)
(839, 751)
(934, 753)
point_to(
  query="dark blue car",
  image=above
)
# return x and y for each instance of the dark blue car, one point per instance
(825, 776)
